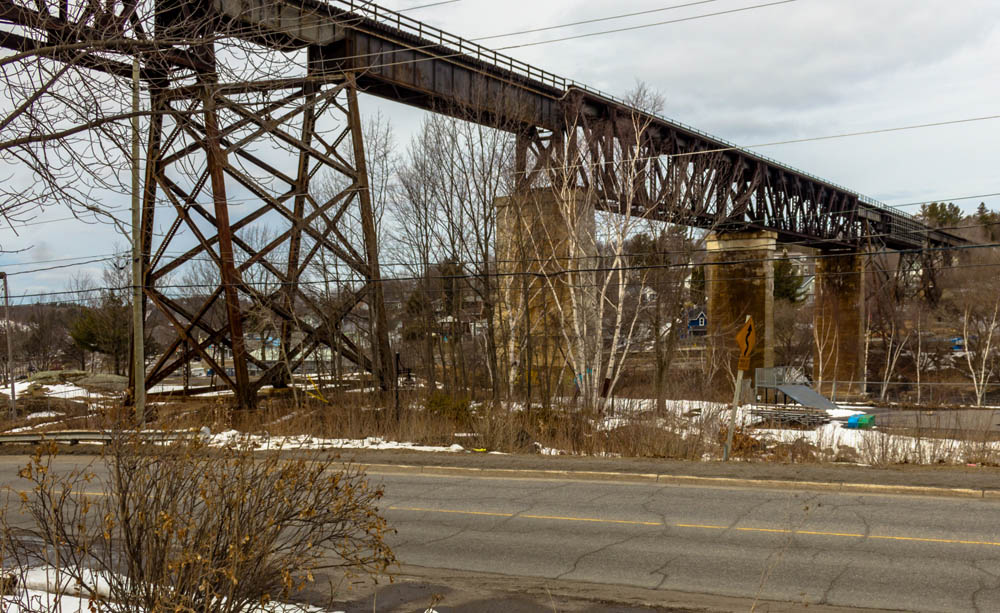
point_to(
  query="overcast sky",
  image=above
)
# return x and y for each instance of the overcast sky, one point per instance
(802, 69)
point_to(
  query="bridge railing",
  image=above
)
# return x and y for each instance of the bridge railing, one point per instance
(466, 47)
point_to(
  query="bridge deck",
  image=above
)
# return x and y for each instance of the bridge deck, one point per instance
(406, 60)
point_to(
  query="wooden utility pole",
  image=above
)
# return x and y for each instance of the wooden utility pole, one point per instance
(138, 329)
(746, 338)
(9, 327)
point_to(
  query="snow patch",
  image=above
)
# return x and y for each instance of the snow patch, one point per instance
(305, 441)
(50, 589)
(60, 390)
(843, 413)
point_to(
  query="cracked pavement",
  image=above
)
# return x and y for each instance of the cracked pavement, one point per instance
(487, 544)
(801, 548)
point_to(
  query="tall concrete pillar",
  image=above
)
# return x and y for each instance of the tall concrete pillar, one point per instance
(552, 237)
(739, 281)
(839, 324)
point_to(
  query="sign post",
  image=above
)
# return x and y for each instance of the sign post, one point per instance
(746, 338)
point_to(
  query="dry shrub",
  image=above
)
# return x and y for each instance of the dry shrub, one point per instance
(185, 528)
(436, 418)
(449, 407)
(798, 451)
(744, 445)
(645, 440)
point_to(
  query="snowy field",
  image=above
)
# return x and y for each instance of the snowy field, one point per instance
(869, 446)
(269, 443)
(52, 390)
(46, 589)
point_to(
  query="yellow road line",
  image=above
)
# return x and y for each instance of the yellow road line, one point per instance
(423, 510)
(595, 520)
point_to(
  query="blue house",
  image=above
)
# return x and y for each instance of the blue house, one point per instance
(697, 322)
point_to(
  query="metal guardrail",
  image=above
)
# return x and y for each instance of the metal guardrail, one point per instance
(499, 60)
(74, 437)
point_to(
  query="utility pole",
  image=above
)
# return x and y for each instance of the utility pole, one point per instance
(138, 329)
(746, 338)
(10, 353)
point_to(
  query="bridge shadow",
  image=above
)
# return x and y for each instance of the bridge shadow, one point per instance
(419, 597)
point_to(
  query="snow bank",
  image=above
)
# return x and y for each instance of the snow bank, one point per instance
(55, 390)
(48, 589)
(266, 442)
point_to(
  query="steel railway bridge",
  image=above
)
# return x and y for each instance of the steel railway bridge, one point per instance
(206, 137)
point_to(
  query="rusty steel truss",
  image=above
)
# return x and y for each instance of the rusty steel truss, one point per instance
(205, 161)
(692, 180)
(214, 129)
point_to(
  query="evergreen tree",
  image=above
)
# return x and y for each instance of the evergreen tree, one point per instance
(941, 214)
(988, 221)
(789, 283)
(104, 329)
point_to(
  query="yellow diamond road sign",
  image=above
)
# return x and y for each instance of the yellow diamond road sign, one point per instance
(745, 340)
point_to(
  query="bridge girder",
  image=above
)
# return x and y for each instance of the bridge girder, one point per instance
(356, 46)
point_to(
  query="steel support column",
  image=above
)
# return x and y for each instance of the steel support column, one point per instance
(218, 136)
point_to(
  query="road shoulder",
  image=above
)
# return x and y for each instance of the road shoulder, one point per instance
(415, 588)
(951, 481)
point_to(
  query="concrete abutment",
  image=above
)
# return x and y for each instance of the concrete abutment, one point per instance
(739, 281)
(546, 248)
(839, 324)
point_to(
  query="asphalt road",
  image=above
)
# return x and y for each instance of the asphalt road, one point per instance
(799, 547)
(890, 552)
(974, 422)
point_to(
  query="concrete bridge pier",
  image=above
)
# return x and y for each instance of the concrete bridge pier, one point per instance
(739, 281)
(546, 313)
(839, 324)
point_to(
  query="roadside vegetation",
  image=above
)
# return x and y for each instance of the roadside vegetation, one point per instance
(184, 528)
(524, 318)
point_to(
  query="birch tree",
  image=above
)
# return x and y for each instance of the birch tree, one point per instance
(637, 192)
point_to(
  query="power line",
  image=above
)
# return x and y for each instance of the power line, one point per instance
(535, 30)
(425, 6)
(59, 267)
(688, 252)
(645, 25)
(826, 137)
(922, 202)
(49, 261)
(811, 139)
(596, 20)
(623, 15)
(720, 149)
(553, 274)
(244, 201)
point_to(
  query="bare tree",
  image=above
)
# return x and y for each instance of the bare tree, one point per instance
(893, 343)
(417, 220)
(599, 284)
(66, 105)
(975, 302)
(892, 286)
(456, 170)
